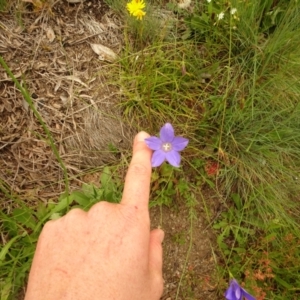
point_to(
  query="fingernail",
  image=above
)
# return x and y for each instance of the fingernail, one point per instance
(141, 136)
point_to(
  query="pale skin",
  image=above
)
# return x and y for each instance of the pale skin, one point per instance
(106, 253)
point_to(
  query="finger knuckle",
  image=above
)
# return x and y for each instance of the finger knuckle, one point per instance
(75, 212)
(139, 169)
(129, 214)
(133, 217)
(100, 207)
(73, 215)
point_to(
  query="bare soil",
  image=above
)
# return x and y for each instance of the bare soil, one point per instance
(48, 49)
(189, 260)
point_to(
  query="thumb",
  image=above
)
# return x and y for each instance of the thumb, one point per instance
(156, 251)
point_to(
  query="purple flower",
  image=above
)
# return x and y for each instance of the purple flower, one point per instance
(236, 292)
(166, 147)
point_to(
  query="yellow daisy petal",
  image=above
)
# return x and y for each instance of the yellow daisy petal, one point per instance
(139, 14)
(135, 8)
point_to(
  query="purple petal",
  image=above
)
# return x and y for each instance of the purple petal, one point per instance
(167, 133)
(153, 142)
(158, 157)
(247, 295)
(179, 143)
(235, 292)
(173, 158)
(238, 293)
(230, 294)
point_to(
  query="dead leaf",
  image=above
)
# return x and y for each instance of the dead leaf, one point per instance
(104, 52)
(50, 34)
(25, 104)
(7, 105)
(74, 78)
(64, 99)
(57, 86)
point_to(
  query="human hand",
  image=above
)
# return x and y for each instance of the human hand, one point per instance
(106, 253)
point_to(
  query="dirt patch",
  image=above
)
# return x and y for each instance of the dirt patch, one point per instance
(50, 54)
(188, 254)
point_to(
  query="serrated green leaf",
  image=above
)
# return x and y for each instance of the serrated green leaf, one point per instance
(41, 211)
(24, 217)
(237, 200)
(220, 225)
(80, 198)
(62, 205)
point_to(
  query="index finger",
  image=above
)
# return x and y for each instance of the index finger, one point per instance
(137, 182)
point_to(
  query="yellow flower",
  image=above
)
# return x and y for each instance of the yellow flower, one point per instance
(135, 8)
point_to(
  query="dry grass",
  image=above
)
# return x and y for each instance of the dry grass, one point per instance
(50, 54)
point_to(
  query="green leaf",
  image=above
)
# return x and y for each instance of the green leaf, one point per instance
(210, 183)
(237, 200)
(80, 198)
(220, 238)
(41, 211)
(109, 196)
(186, 35)
(88, 189)
(55, 216)
(239, 250)
(166, 170)
(220, 225)
(6, 288)
(105, 176)
(271, 237)
(198, 24)
(5, 249)
(24, 217)
(283, 282)
(62, 205)
(205, 18)
(154, 176)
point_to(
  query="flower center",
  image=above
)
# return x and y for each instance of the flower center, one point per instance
(167, 147)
